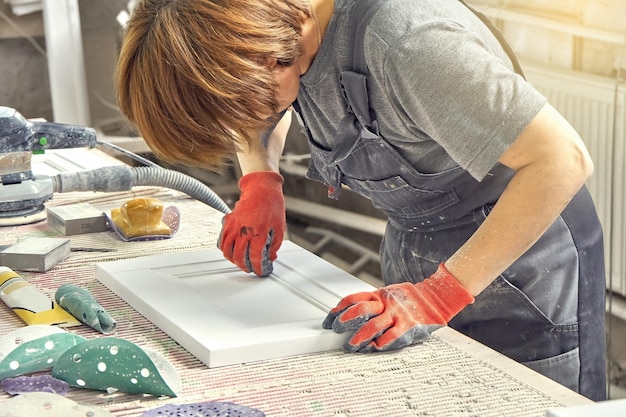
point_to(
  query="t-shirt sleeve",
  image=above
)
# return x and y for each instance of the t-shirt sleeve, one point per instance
(460, 93)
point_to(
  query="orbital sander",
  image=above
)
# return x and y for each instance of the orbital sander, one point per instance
(22, 194)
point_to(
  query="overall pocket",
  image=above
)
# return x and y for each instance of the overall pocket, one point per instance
(399, 199)
(563, 368)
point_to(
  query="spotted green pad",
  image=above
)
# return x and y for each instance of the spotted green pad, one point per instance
(13, 339)
(112, 364)
(37, 355)
(80, 303)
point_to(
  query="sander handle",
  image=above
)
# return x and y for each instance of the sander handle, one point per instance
(47, 135)
(18, 134)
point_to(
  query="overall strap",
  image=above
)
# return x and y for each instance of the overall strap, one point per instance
(496, 32)
(354, 82)
(363, 12)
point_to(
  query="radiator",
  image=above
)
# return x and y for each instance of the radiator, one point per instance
(595, 107)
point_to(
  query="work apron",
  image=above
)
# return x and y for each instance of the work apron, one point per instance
(432, 215)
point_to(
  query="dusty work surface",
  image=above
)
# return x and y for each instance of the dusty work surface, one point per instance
(448, 375)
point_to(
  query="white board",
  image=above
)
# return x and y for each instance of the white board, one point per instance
(224, 316)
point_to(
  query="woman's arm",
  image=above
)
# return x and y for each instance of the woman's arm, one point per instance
(551, 164)
(253, 232)
(259, 158)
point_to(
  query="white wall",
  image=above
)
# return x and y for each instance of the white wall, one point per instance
(583, 35)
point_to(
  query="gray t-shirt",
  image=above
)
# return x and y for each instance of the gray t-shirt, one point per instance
(441, 86)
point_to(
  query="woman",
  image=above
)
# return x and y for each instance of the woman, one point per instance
(491, 228)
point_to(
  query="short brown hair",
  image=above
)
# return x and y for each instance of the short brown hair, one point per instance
(192, 75)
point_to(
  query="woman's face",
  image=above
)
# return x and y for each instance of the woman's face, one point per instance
(288, 82)
(288, 77)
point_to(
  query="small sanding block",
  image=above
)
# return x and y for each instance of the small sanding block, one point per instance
(35, 254)
(75, 219)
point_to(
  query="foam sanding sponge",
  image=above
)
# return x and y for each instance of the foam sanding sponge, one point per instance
(140, 217)
(35, 254)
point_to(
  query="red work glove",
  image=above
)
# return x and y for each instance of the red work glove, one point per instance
(398, 315)
(252, 233)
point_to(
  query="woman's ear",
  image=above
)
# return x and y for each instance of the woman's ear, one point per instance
(271, 62)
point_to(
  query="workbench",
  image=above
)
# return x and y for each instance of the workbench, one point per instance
(446, 375)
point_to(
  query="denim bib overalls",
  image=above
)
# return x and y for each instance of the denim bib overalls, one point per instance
(432, 215)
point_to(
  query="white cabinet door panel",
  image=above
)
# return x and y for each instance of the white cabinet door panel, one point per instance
(224, 316)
